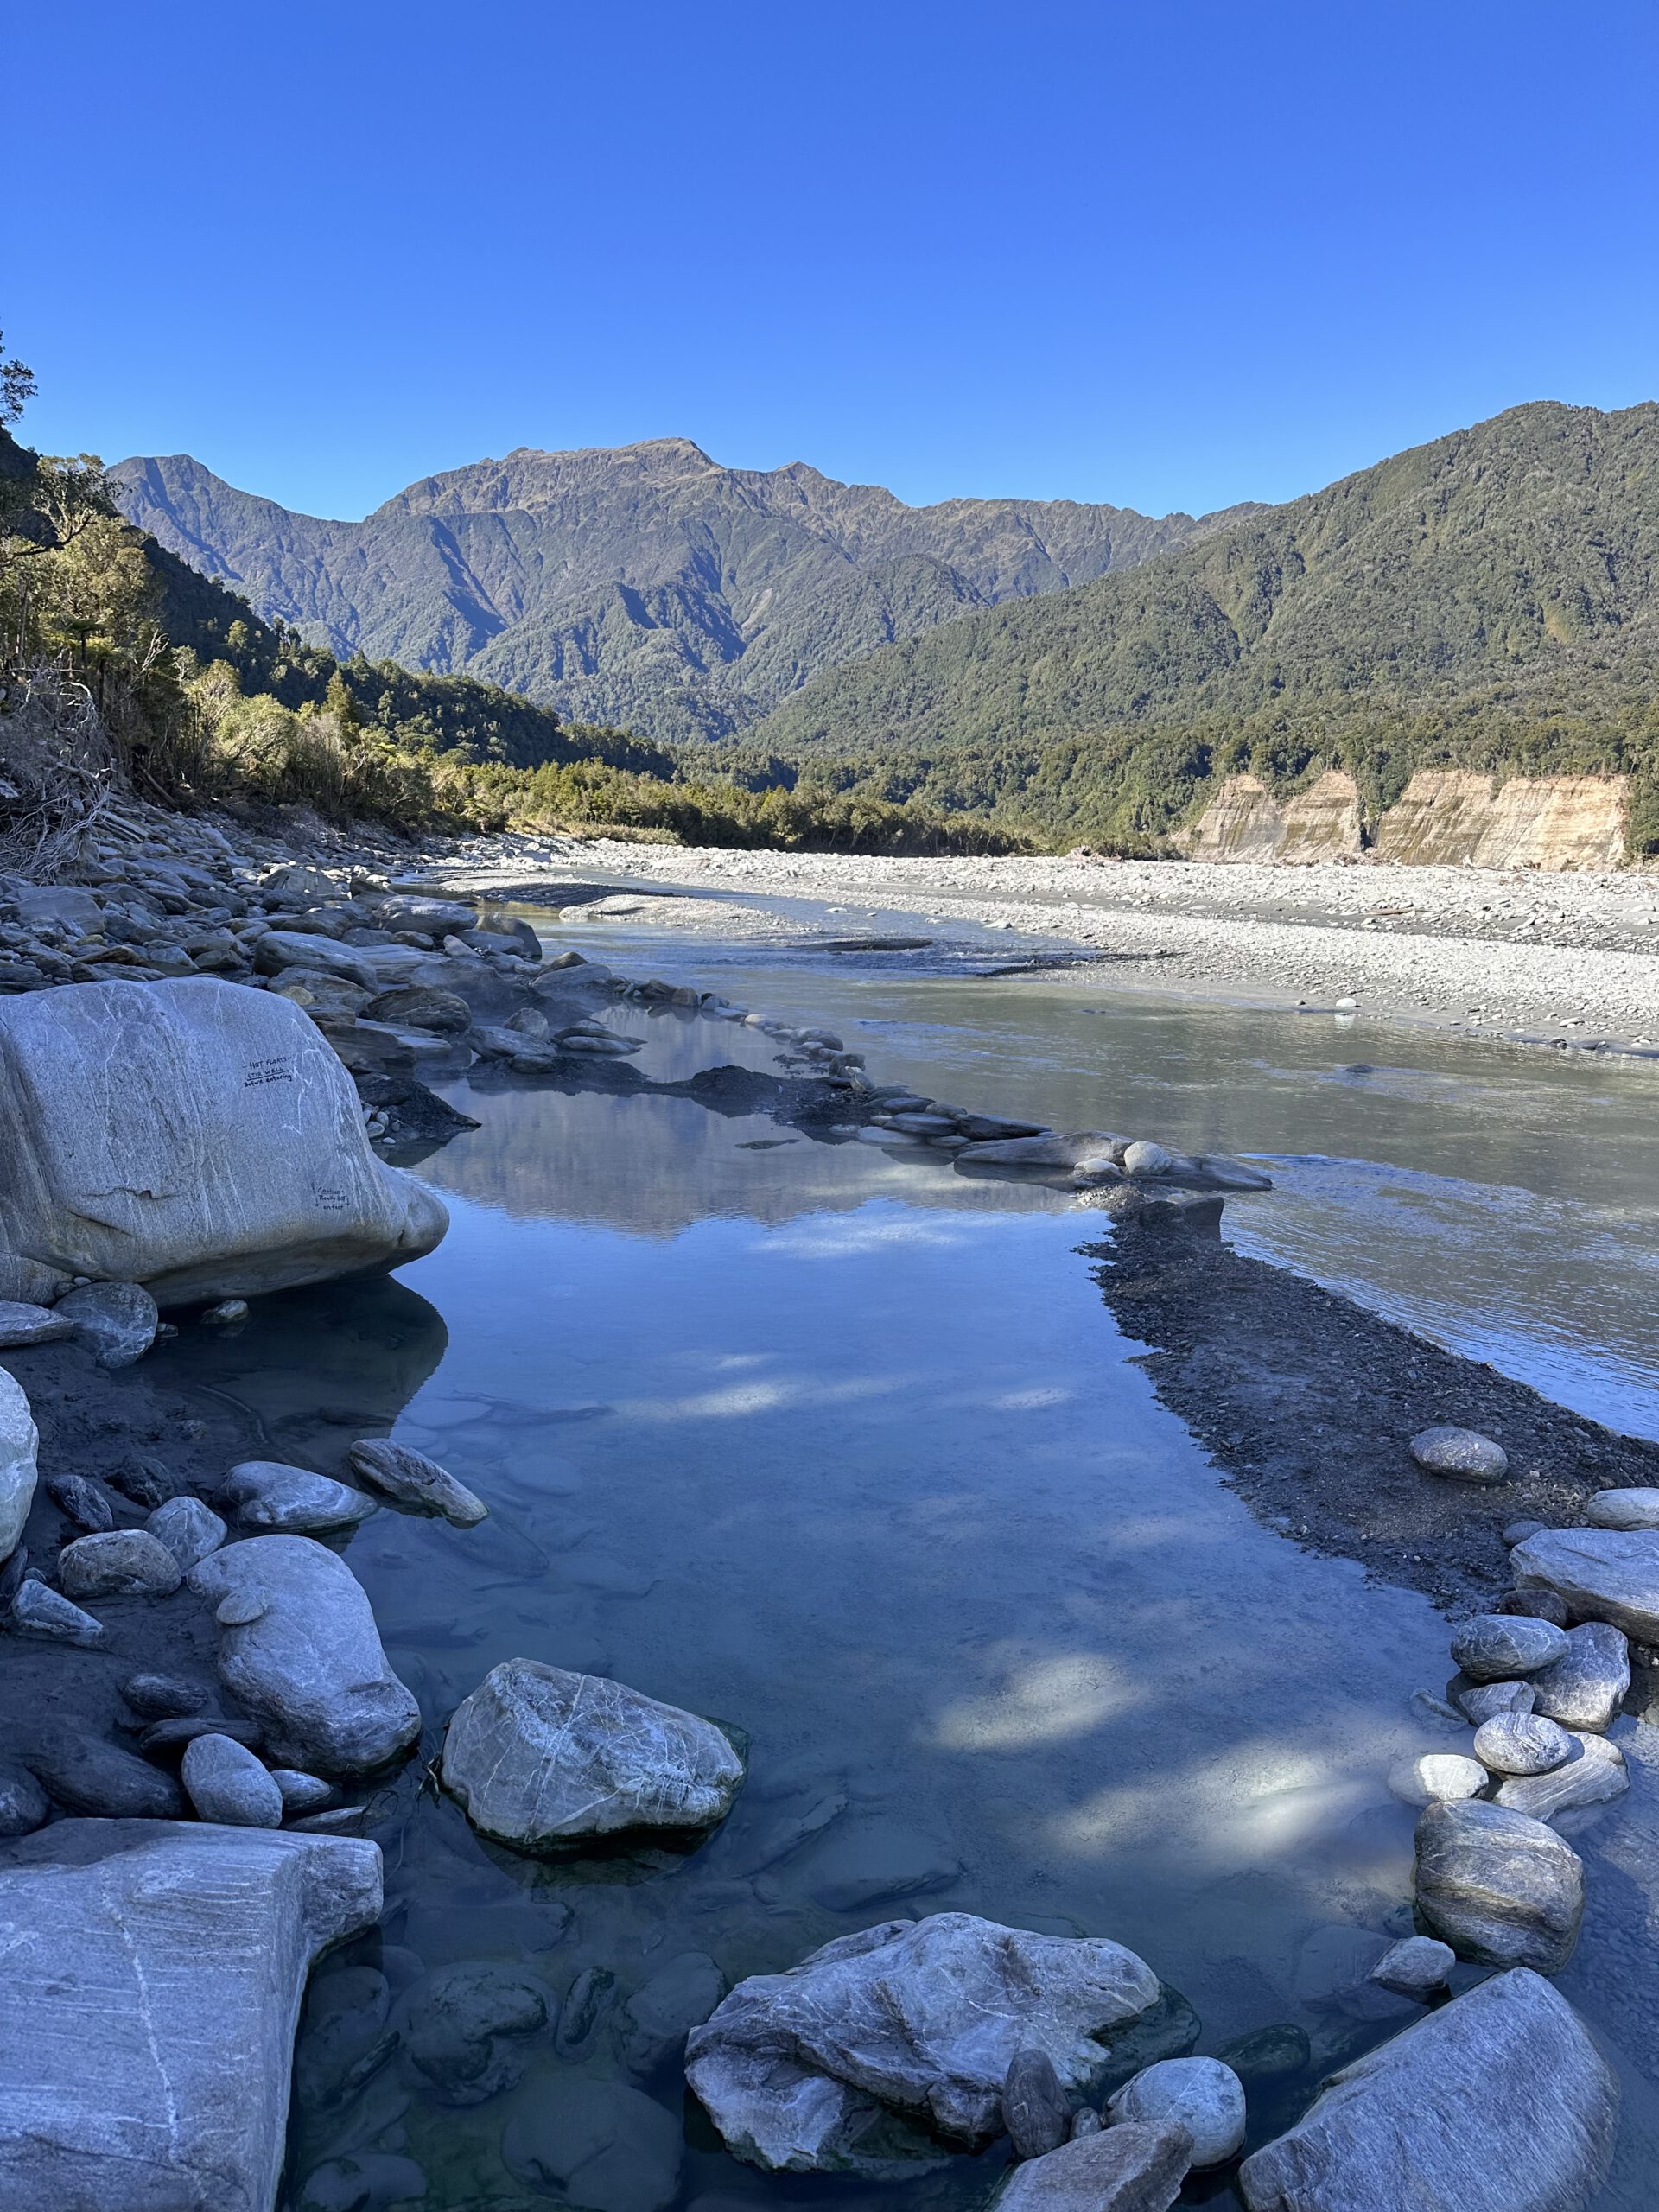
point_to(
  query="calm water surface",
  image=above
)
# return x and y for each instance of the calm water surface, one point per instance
(847, 1451)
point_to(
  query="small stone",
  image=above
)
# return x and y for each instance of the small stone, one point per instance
(189, 1528)
(104, 1783)
(1494, 1646)
(1534, 1605)
(1415, 1967)
(1138, 2167)
(39, 1611)
(1623, 1508)
(1518, 1531)
(1145, 1158)
(1586, 1688)
(1596, 1776)
(163, 1697)
(124, 1563)
(1437, 1778)
(1086, 2122)
(227, 1311)
(116, 1320)
(145, 1481)
(416, 1481)
(1522, 1742)
(301, 1793)
(1036, 2110)
(1200, 2095)
(85, 1502)
(22, 1325)
(1487, 1700)
(226, 1784)
(1461, 1454)
(270, 1494)
(1500, 1887)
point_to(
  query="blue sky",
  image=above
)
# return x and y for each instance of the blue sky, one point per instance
(1171, 255)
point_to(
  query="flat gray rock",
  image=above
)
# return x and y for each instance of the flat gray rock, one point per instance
(416, 1481)
(1498, 1886)
(1609, 1508)
(116, 1320)
(19, 1441)
(38, 1609)
(121, 1563)
(1586, 1689)
(224, 1782)
(280, 949)
(189, 1948)
(293, 1501)
(921, 2020)
(1597, 1777)
(539, 1757)
(1495, 1646)
(1461, 1454)
(1604, 1574)
(1439, 2104)
(189, 1528)
(299, 1647)
(1135, 2168)
(1200, 2095)
(22, 1325)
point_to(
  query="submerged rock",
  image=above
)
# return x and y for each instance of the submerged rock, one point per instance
(1499, 2102)
(652, 2025)
(1415, 1967)
(189, 1948)
(1200, 2095)
(1604, 1574)
(19, 1441)
(416, 1481)
(1463, 1454)
(598, 2145)
(919, 2019)
(539, 1757)
(466, 2028)
(1500, 1887)
(270, 1494)
(218, 1131)
(1139, 2167)
(299, 1647)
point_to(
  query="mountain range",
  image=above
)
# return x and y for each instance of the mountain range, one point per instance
(645, 585)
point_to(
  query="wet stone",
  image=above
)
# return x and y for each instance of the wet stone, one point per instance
(365, 2181)
(87, 1503)
(600, 2145)
(23, 1324)
(1036, 2110)
(1500, 1887)
(270, 1494)
(1272, 2053)
(38, 1610)
(465, 2028)
(1437, 1778)
(1415, 1967)
(412, 1480)
(1595, 1777)
(651, 2027)
(116, 1320)
(1200, 2095)
(24, 1805)
(301, 1793)
(1586, 1689)
(1522, 1742)
(226, 1784)
(1534, 1605)
(1138, 2167)
(177, 1729)
(1495, 1646)
(86, 1775)
(585, 2003)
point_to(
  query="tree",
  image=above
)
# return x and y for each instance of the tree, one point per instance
(17, 386)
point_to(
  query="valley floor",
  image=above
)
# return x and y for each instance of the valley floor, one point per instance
(1566, 960)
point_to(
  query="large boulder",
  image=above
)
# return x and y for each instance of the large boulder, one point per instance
(1499, 2102)
(911, 2020)
(1602, 1575)
(540, 1758)
(197, 1137)
(154, 1974)
(299, 1647)
(1499, 1886)
(19, 1441)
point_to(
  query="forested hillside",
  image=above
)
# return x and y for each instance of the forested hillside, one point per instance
(645, 585)
(1489, 600)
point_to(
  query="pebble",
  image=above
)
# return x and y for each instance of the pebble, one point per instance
(1522, 1742)
(226, 1784)
(1462, 1455)
(227, 1311)
(1494, 1646)
(189, 1528)
(122, 1563)
(1518, 1531)
(37, 1610)
(1624, 1509)
(1415, 1967)
(1199, 2094)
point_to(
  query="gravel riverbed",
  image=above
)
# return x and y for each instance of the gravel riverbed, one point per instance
(1567, 960)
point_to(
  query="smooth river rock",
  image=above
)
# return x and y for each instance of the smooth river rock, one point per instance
(19, 1442)
(416, 1481)
(1624, 1509)
(1522, 1742)
(188, 1947)
(909, 2018)
(1595, 1777)
(1139, 2167)
(189, 1528)
(1498, 2102)
(540, 1756)
(1461, 1454)
(299, 1647)
(1495, 1646)
(122, 1563)
(1200, 2095)
(224, 1782)
(116, 1320)
(1416, 1967)
(270, 1494)
(1604, 1574)
(1437, 1778)
(1498, 1886)
(22, 1325)
(1586, 1689)
(1487, 1700)
(38, 1609)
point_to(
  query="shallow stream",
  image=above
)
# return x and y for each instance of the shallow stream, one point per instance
(845, 1451)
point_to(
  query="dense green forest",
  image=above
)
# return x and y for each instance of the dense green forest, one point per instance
(1490, 600)
(119, 661)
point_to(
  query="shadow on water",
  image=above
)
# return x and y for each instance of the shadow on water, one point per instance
(842, 1450)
